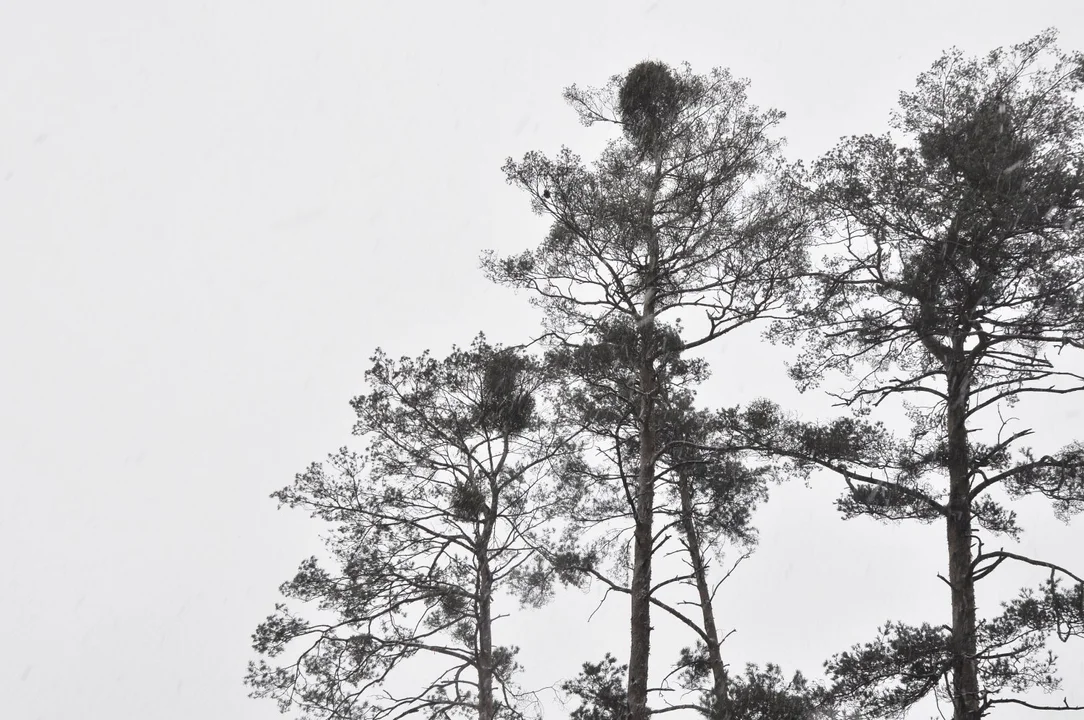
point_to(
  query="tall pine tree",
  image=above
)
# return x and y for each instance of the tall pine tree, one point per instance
(677, 220)
(953, 278)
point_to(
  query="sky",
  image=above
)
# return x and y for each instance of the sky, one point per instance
(212, 213)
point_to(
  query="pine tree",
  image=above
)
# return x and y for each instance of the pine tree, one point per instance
(677, 220)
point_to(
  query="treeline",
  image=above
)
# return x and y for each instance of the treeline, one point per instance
(941, 264)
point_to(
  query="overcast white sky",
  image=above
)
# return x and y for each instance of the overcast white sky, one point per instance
(211, 213)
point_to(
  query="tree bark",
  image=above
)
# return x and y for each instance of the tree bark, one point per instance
(965, 679)
(644, 509)
(640, 632)
(720, 699)
(485, 639)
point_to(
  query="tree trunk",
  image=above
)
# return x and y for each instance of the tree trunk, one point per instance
(965, 680)
(644, 509)
(720, 701)
(485, 639)
(483, 537)
(640, 634)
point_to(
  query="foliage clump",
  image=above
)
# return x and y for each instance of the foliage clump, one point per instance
(650, 102)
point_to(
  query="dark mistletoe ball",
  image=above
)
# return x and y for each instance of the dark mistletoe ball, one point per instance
(649, 101)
